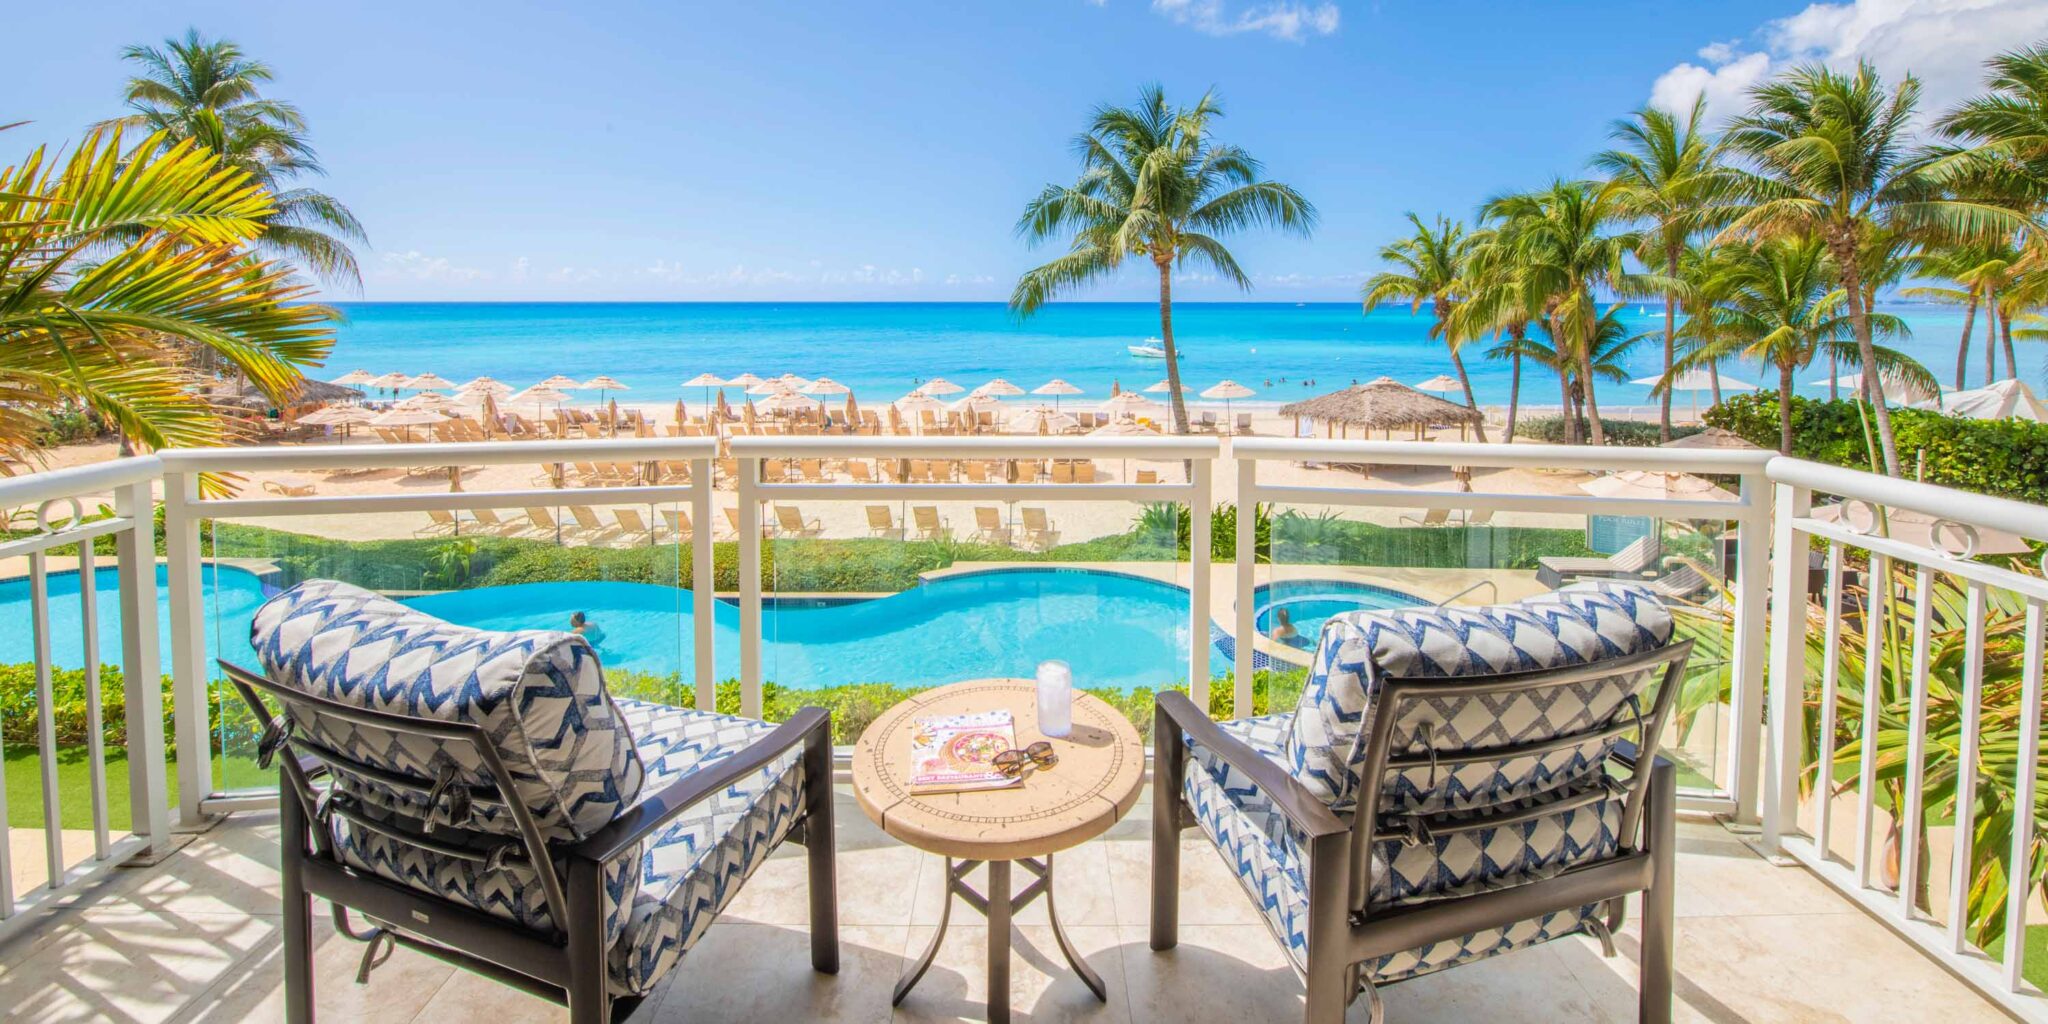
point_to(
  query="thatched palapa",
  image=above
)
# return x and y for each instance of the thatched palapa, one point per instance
(309, 392)
(1383, 404)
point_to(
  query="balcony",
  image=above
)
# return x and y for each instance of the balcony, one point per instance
(154, 897)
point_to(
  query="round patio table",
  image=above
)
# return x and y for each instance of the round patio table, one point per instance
(1096, 782)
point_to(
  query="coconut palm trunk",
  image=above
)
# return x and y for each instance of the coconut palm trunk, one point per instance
(1671, 254)
(1178, 404)
(1566, 407)
(1785, 409)
(1963, 348)
(1992, 310)
(1843, 248)
(1585, 354)
(2012, 359)
(1514, 393)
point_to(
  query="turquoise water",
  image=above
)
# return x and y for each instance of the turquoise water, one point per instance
(1119, 631)
(882, 350)
(1310, 603)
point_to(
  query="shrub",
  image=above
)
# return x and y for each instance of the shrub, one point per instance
(2007, 458)
(1620, 433)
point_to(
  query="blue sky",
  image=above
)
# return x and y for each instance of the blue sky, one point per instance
(808, 151)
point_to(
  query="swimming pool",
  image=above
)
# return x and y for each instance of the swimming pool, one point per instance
(1115, 630)
(1307, 604)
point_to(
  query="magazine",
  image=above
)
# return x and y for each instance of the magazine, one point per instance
(952, 753)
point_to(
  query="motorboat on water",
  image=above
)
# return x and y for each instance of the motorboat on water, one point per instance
(1151, 349)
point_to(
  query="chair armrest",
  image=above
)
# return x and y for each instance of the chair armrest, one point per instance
(1291, 798)
(650, 814)
(1626, 752)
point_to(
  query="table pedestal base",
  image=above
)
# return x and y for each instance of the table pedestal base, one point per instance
(998, 906)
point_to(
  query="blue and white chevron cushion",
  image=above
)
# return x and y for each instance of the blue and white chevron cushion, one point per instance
(539, 695)
(1358, 651)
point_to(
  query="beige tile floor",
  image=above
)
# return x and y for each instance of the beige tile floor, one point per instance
(195, 939)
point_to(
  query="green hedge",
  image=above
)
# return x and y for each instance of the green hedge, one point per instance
(1622, 433)
(2007, 458)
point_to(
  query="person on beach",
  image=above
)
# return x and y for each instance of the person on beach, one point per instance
(581, 625)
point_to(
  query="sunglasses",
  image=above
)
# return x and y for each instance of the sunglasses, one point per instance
(1011, 763)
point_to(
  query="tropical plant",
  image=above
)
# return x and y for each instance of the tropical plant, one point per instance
(211, 92)
(1497, 304)
(1976, 271)
(1666, 173)
(1781, 308)
(1827, 157)
(114, 267)
(452, 561)
(1568, 251)
(1429, 267)
(1154, 184)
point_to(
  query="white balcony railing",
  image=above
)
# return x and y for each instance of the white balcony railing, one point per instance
(1773, 737)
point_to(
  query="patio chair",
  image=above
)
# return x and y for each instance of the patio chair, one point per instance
(1244, 423)
(1681, 583)
(1084, 471)
(586, 517)
(1039, 532)
(480, 797)
(1146, 476)
(679, 525)
(543, 520)
(882, 521)
(285, 490)
(1443, 792)
(859, 471)
(631, 523)
(930, 525)
(790, 522)
(1636, 559)
(488, 519)
(989, 525)
(440, 523)
(1430, 517)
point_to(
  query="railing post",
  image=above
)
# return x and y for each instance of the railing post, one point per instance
(1746, 660)
(1201, 474)
(703, 583)
(1245, 638)
(190, 694)
(1788, 665)
(142, 677)
(750, 587)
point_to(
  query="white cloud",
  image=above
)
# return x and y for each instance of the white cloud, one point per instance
(1292, 20)
(1944, 42)
(415, 265)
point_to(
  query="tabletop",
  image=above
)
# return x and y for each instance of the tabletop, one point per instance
(1096, 782)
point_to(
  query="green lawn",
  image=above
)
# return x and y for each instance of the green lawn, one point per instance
(25, 786)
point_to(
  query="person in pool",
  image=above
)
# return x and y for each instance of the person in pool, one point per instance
(581, 625)
(1283, 625)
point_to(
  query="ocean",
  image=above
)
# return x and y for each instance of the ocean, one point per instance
(1283, 351)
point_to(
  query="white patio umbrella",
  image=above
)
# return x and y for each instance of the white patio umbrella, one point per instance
(940, 386)
(1440, 383)
(826, 386)
(1227, 390)
(999, 388)
(343, 416)
(407, 418)
(428, 381)
(2008, 399)
(745, 380)
(976, 404)
(560, 382)
(390, 381)
(1659, 486)
(475, 390)
(602, 384)
(1895, 389)
(1695, 381)
(1042, 419)
(788, 400)
(539, 397)
(1124, 428)
(707, 381)
(918, 402)
(355, 377)
(1131, 403)
(770, 387)
(1056, 387)
(431, 400)
(1161, 388)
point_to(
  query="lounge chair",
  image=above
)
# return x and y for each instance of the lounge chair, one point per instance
(989, 525)
(1206, 423)
(1444, 791)
(1146, 476)
(1084, 471)
(882, 522)
(440, 523)
(1062, 472)
(491, 524)
(814, 471)
(679, 525)
(1682, 583)
(290, 490)
(482, 798)
(859, 471)
(631, 523)
(930, 525)
(1636, 559)
(1430, 517)
(1479, 517)
(1039, 532)
(790, 522)
(586, 517)
(544, 521)
(1244, 423)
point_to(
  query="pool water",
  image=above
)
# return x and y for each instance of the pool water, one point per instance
(1115, 630)
(1308, 604)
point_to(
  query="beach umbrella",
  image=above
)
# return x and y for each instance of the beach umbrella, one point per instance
(1696, 380)
(1912, 527)
(770, 387)
(428, 381)
(389, 382)
(1131, 402)
(975, 403)
(1660, 486)
(487, 413)
(355, 377)
(539, 396)
(1000, 388)
(560, 382)
(1713, 438)
(788, 400)
(1056, 387)
(478, 382)
(433, 400)
(852, 410)
(407, 418)
(940, 386)
(2008, 399)
(1042, 419)
(825, 386)
(1227, 390)
(482, 386)
(1124, 428)
(745, 380)
(707, 381)
(1161, 388)
(1896, 388)
(602, 385)
(1442, 382)
(795, 382)
(343, 416)
(917, 403)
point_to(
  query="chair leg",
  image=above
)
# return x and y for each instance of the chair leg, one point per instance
(1659, 913)
(589, 995)
(820, 843)
(298, 911)
(1168, 765)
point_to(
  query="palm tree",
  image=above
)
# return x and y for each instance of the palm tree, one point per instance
(1665, 173)
(1567, 252)
(1153, 184)
(1429, 268)
(1975, 269)
(1557, 348)
(111, 267)
(1780, 306)
(1828, 158)
(210, 91)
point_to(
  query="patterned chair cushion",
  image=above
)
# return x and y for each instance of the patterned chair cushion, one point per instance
(1357, 652)
(538, 694)
(1268, 856)
(660, 898)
